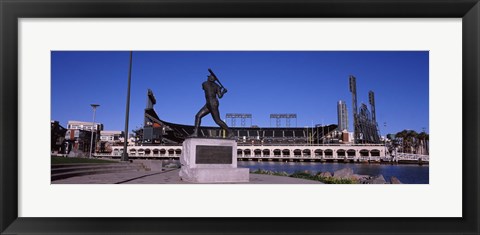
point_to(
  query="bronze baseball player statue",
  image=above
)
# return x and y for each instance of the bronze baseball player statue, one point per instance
(212, 90)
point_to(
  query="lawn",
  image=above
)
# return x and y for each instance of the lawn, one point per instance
(73, 160)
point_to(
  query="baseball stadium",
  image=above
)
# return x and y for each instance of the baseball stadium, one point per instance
(160, 139)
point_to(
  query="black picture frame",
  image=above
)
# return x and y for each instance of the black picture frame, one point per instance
(11, 11)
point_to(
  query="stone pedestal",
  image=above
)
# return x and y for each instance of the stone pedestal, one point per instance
(211, 161)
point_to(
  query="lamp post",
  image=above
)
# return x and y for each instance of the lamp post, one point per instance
(311, 141)
(94, 106)
(385, 138)
(323, 132)
(125, 153)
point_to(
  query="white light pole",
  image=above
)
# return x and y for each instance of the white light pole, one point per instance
(94, 106)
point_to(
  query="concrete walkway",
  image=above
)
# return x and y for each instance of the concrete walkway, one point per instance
(168, 176)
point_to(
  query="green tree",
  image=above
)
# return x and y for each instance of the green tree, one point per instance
(401, 136)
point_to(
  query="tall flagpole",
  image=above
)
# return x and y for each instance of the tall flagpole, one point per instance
(125, 152)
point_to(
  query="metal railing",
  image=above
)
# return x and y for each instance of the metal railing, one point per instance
(119, 154)
(412, 156)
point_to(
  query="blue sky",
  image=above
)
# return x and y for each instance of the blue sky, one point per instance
(308, 83)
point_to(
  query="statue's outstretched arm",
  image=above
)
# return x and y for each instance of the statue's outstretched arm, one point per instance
(221, 92)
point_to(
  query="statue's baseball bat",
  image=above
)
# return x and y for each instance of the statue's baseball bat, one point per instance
(216, 78)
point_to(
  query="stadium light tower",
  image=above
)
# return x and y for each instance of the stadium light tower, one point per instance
(242, 116)
(94, 106)
(286, 116)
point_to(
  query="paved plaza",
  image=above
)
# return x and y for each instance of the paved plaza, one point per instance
(168, 176)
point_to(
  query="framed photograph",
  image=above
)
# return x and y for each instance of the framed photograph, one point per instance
(394, 65)
(308, 146)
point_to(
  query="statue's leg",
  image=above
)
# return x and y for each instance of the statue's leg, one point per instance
(198, 119)
(218, 120)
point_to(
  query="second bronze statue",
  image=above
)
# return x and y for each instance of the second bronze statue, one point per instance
(212, 91)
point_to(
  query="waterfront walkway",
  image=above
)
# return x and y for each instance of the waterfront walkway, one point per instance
(168, 176)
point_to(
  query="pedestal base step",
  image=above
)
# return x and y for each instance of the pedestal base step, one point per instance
(215, 175)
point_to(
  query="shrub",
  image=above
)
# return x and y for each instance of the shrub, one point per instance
(308, 176)
(331, 180)
(302, 175)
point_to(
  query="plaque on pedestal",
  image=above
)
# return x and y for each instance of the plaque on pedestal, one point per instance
(207, 160)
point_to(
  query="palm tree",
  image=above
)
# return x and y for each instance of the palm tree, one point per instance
(423, 137)
(412, 140)
(409, 140)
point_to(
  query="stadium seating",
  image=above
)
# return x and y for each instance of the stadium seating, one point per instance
(176, 133)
